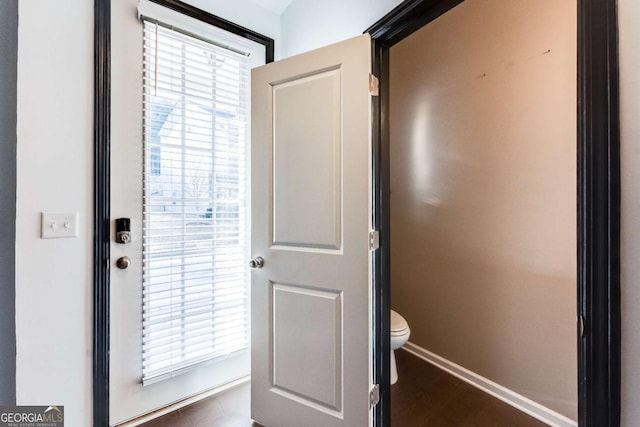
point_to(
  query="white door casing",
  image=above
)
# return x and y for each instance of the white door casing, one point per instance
(311, 217)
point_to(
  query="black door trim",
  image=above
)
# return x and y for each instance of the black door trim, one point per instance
(598, 196)
(598, 213)
(102, 182)
(101, 209)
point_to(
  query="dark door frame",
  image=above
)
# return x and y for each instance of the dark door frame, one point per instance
(598, 207)
(102, 181)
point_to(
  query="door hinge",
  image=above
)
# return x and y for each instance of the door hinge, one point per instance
(374, 396)
(373, 85)
(374, 240)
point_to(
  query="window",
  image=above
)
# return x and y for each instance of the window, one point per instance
(154, 160)
(195, 292)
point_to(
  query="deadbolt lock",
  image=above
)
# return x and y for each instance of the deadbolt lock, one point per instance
(123, 230)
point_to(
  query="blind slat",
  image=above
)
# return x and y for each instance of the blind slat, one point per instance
(178, 368)
(231, 334)
(168, 317)
(158, 283)
(171, 303)
(194, 330)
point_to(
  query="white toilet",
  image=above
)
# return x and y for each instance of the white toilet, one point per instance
(399, 336)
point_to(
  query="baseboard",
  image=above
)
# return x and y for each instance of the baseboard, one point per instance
(510, 397)
(182, 403)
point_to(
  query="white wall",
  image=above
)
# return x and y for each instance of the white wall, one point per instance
(53, 277)
(309, 24)
(629, 17)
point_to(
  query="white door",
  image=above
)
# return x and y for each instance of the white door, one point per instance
(311, 217)
(184, 192)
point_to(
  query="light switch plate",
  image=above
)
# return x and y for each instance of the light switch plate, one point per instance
(59, 225)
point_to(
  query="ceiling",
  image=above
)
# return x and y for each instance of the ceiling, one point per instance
(276, 6)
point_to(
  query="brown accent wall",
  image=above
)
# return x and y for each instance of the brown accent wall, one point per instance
(483, 192)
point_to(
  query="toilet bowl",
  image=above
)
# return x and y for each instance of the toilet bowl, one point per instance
(399, 336)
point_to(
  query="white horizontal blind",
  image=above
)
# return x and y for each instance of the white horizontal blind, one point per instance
(195, 293)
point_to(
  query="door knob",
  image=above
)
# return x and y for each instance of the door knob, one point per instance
(257, 262)
(123, 262)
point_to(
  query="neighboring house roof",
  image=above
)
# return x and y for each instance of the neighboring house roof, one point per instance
(161, 114)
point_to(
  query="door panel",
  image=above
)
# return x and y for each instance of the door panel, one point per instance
(128, 397)
(307, 344)
(307, 146)
(311, 216)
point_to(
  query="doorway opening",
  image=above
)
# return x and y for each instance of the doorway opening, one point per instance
(483, 217)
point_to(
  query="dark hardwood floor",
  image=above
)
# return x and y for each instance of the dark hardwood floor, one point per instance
(423, 396)
(427, 396)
